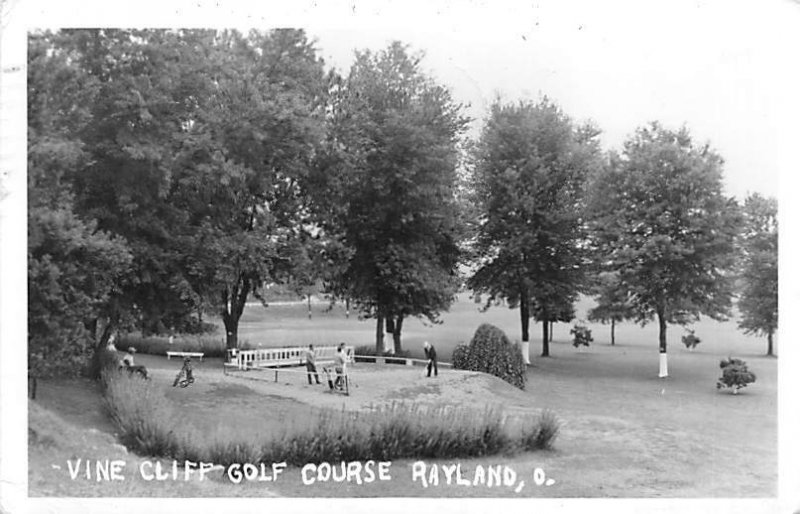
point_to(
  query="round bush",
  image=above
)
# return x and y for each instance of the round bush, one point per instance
(735, 374)
(581, 336)
(690, 340)
(490, 351)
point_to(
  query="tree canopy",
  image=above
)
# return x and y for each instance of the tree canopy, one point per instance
(392, 188)
(530, 167)
(758, 299)
(195, 147)
(75, 271)
(660, 221)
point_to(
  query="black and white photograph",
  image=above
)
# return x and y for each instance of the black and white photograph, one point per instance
(359, 256)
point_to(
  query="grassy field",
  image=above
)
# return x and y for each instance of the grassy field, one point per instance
(625, 432)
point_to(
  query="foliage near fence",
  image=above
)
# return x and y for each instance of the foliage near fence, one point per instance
(371, 351)
(490, 351)
(150, 425)
(210, 345)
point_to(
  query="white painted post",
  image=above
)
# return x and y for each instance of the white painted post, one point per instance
(662, 365)
(526, 352)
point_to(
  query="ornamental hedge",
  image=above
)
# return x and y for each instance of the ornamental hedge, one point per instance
(490, 351)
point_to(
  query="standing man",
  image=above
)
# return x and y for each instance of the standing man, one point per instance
(311, 364)
(430, 354)
(340, 366)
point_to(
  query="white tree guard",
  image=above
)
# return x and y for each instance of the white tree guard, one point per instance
(662, 365)
(526, 351)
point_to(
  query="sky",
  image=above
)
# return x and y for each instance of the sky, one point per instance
(709, 65)
(724, 68)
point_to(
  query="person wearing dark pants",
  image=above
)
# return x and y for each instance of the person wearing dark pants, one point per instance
(311, 364)
(430, 354)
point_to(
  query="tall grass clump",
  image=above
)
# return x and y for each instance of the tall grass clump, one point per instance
(407, 431)
(150, 425)
(541, 434)
(490, 351)
(144, 415)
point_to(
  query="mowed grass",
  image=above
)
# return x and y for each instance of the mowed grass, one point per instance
(288, 324)
(625, 433)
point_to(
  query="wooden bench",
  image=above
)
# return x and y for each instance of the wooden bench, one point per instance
(185, 354)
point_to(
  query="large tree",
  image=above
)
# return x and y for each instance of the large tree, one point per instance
(75, 271)
(136, 101)
(530, 166)
(758, 298)
(242, 166)
(391, 181)
(661, 223)
(198, 144)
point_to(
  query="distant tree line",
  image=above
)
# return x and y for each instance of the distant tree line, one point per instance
(174, 174)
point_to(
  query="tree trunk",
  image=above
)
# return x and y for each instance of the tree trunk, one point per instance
(524, 317)
(390, 324)
(769, 343)
(662, 342)
(101, 342)
(612, 332)
(551, 332)
(545, 338)
(233, 309)
(109, 326)
(347, 308)
(379, 333)
(309, 306)
(398, 327)
(231, 331)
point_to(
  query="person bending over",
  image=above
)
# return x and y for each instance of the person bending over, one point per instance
(430, 354)
(185, 376)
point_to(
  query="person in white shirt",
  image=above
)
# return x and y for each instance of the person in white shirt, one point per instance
(340, 365)
(127, 363)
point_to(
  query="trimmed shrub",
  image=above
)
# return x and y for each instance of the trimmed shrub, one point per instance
(735, 374)
(460, 357)
(490, 351)
(581, 335)
(690, 340)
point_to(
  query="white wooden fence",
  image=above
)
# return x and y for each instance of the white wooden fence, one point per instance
(275, 357)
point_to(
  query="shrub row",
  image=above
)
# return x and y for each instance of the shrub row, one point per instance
(210, 345)
(149, 425)
(490, 351)
(372, 351)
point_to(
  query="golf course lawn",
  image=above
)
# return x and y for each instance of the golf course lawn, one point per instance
(624, 432)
